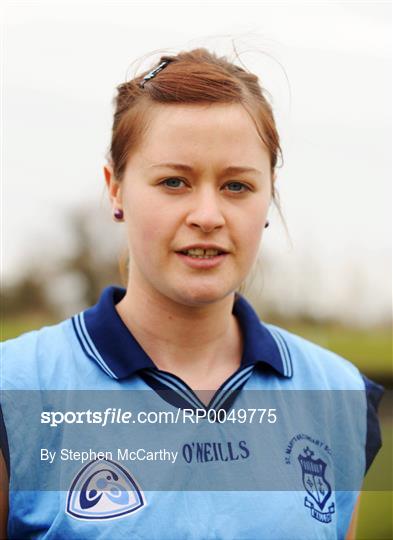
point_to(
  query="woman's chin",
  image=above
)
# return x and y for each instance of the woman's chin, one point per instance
(202, 295)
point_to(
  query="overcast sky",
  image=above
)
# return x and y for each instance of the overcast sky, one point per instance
(327, 67)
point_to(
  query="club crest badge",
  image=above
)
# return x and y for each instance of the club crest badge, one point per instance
(316, 485)
(103, 490)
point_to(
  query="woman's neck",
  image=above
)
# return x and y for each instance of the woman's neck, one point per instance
(191, 342)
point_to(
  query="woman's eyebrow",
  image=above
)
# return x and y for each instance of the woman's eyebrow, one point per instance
(187, 168)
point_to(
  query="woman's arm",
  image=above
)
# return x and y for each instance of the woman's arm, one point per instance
(3, 498)
(351, 533)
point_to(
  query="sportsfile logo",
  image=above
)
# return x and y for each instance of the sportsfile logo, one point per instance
(112, 415)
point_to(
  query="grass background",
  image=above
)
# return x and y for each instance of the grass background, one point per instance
(371, 352)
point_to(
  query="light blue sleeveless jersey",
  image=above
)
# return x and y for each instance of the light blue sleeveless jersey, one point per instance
(279, 453)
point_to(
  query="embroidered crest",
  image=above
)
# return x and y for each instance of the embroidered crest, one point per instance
(316, 485)
(103, 490)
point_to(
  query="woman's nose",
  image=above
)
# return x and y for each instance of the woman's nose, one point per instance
(205, 211)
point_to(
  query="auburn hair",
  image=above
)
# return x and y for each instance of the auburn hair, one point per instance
(196, 76)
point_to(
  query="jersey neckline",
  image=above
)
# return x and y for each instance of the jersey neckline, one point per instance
(105, 338)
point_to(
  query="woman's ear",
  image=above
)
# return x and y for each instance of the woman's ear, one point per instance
(113, 186)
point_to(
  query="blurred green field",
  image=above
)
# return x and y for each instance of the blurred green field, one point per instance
(12, 328)
(369, 349)
(371, 352)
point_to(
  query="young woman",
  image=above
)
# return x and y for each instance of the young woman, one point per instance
(191, 173)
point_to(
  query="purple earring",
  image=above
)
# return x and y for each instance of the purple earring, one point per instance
(118, 214)
(267, 224)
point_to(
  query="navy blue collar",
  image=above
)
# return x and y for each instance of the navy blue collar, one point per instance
(105, 337)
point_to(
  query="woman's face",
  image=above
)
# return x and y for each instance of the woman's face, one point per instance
(200, 177)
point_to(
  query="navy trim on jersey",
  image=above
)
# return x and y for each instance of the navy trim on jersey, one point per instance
(116, 347)
(4, 442)
(374, 394)
(173, 395)
(226, 394)
(178, 393)
(163, 379)
(283, 348)
(105, 338)
(83, 338)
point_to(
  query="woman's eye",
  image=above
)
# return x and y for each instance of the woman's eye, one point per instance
(172, 182)
(237, 187)
(176, 183)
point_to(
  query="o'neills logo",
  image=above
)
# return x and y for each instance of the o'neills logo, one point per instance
(203, 452)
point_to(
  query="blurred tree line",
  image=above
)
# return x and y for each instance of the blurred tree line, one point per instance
(72, 281)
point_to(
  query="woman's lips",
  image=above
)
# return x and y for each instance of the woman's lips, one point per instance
(203, 262)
